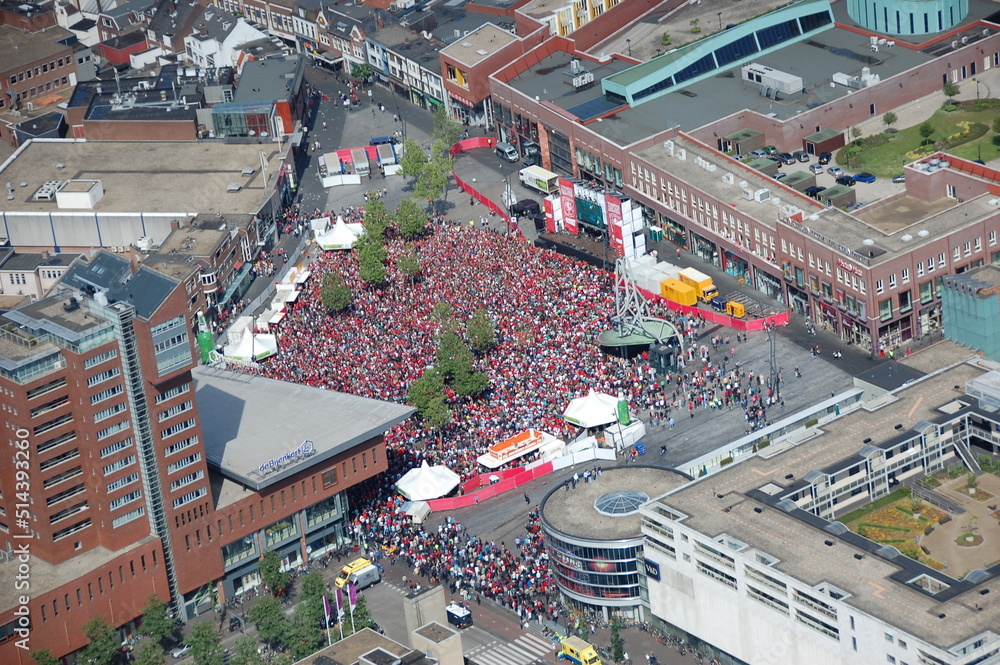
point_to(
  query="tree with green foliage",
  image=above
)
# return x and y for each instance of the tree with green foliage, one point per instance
(889, 119)
(408, 263)
(149, 652)
(272, 624)
(694, 25)
(481, 332)
(244, 652)
(996, 125)
(950, 90)
(617, 643)
(926, 129)
(361, 71)
(411, 220)
(305, 635)
(44, 657)
(446, 129)
(470, 382)
(272, 575)
(360, 618)
(371, 264)
(435, 174)
(313, 586)
(103, 645)
(442, 312)
(428, 387)
(206, 645)
(376, 219)
(156, 620)
(334, 293)
(437, 415)
(413, 159)
(855, 133)
(453, 355)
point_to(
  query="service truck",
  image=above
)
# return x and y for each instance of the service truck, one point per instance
(537, 178)
(702, 284)
(678, 291)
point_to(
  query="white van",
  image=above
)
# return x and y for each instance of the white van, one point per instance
(365, 577)
(508, 152)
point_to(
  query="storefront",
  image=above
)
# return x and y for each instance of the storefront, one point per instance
(828, 318)
(798, 299)
(674, 231)
(856, 332)
(705, 249)
(894, 334)
(930, 320)
(768, 284)
(736, 266)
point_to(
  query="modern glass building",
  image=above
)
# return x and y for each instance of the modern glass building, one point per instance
(971, 309)
(594, 538)
(908, 17)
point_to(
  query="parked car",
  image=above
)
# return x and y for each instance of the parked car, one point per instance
(846, 180)
(813, 191)
(802, 156)
(899, 178)
(816, 168)
(825, 157)
(780, 175)
(179, 651)
(786, 158)
(864, 177)
(758, 153)
(770, 150)
(835, 171)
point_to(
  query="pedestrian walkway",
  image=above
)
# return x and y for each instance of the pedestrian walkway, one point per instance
(527, 649)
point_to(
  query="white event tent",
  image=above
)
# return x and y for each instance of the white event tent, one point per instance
(593, 410)
(427, 482)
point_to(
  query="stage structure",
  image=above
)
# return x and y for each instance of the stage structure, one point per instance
(634, 329)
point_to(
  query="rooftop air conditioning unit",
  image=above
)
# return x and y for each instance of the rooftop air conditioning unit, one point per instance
(762, 195)
(682, 154)
(728, 178)
(748, 194)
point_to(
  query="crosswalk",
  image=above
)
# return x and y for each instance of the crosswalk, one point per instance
(527, 649)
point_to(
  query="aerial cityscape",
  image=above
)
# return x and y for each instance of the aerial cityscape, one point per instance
(500, 332)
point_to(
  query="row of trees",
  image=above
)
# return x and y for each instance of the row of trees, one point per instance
(454, 368)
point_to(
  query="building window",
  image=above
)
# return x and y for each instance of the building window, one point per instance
(329, 478)
(879, 286)
(906, 276)
(122, 482)
(885, 309)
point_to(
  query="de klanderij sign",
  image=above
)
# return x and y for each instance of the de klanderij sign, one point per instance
(306, 450)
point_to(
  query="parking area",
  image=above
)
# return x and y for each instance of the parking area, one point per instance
(866, 192)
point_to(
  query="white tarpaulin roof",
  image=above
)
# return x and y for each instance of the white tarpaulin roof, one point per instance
(252, 347)
(594, 410)
(340, 236)
(320, 224)
(427, 482)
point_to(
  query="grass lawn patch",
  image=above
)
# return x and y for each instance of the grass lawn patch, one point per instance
(888, 499)
(969, 540)
(965, 132)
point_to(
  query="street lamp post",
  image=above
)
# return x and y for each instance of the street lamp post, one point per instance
(720, 21)
(628, 42)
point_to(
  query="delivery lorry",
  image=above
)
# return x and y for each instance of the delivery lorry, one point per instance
(579, 652)
(539, 179)
(700, 282)
(362, 573)
(459, 616)
(678, 291)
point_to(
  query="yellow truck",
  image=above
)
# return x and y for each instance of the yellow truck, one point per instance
(700, 282)
(678, 291)
(579, 652)
(360, 572)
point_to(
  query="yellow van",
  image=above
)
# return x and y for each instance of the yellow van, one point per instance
(578, 652)
(351, 568)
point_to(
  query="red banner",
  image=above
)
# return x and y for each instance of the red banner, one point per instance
(617, 234)
(567, 201)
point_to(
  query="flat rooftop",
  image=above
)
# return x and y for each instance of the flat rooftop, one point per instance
(350, 649)
(723, 504)
(260, 431)
(182, 178)
(840, 229)
(45, 577)
(574, 514)
(22, 48)
(693, 106)
(473, 48)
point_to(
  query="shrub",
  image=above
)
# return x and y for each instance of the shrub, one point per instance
(763, 444)
(725, 461)
(948, 108)
(665, 40)
(812, 422)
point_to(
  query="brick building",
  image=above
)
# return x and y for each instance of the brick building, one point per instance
(124, 436)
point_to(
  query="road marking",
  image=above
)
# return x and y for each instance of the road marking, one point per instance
(526, 649)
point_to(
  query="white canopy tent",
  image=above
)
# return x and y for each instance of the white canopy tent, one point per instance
(252, 347)
(340, 236)
(427, 482)
(593, 410)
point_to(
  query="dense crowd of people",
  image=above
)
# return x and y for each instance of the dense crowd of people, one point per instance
(546, 309)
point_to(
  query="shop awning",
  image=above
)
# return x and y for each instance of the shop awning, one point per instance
(278, 317)
(302, 277)
(292, 296)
